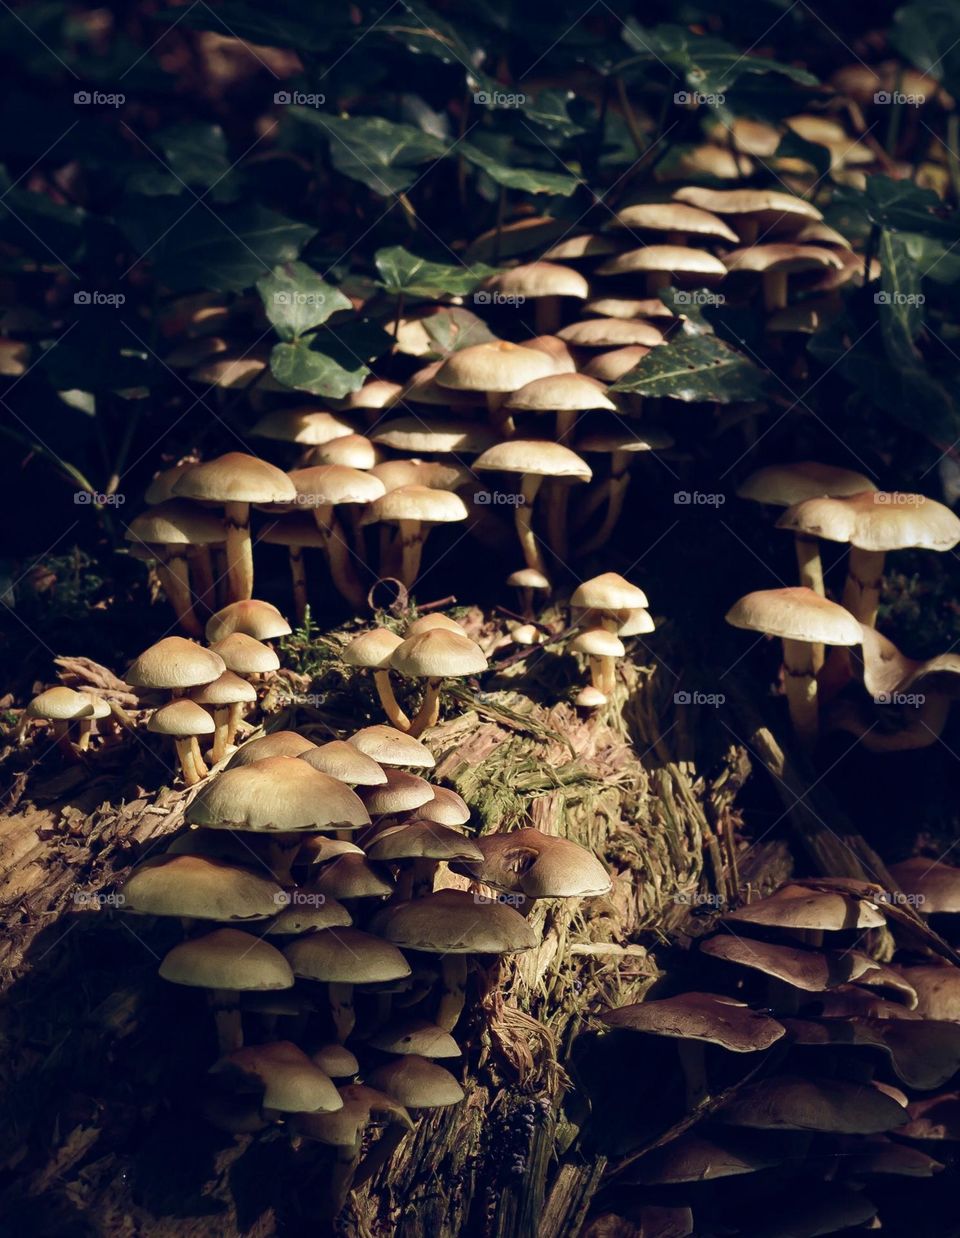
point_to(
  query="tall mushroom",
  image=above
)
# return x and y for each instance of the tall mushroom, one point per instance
(494, 369)
(415, 510)
(435, 655)
(373, 650)
(296, 533)
(184, 720)
(174, 529)
(225, 697)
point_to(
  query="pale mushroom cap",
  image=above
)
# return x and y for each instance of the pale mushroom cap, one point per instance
(415, 1036)
(643, 438)
(176, 523)
(60, 704)
(438, 653)
(612, 333)
(336, 1060)
(540, 279)
(160, 489)
(797, 907)
(638, 623)
(446, 808)
(454, 922)
(493, 367)
(345, 956)
(227, 959)
(789, 1102)
(435, 620)
(372, 649)
(229, 689)
(354, 451)
(700, 1016)
(388, 746)
(181, 719)
(394, 473)
(349, 876)
(333, 484)
(553, 347)
(937, 989)
(346, 763)
(782, 257)
(587, 245)
(292, 1083)
(402, 792)
(276, 794)
(300, 425)
(528, 578)
(199, 888)
(417, 1083)
(235, 478)
(276, 744)
(415, 434)
(418, 503)
(245, 655)
(877, 520)
(590, 698)
(628, 307)
(101, 708)
(598, 643)
(539, 865)
(560, 392)
(611, 366)
(795, 614)
(537, 457)
(936, 883)
(260, 620)
(664, 258)
(307, 914)
(423, 388)
(609, 591)
(783, 485)
(301, 531)
(361, 1105)
(746, 201)
(375, 393)
(811, 970)
(673, 217)
(422, 839)
(175, 662)
(317, 849)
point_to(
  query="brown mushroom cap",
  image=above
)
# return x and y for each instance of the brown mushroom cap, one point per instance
(417, 503)
(612, 333)
(418, 1083)
(747, 202)
(175, 663)
(375, 393)
(795, 614)
(673, 217)
(275, 744)
(780, 256)
(812, 970)
(198, 888)
(349, 876)
(302, 425)
(333, 484)
(388, 746)
(695, 1158)
(291, 1082)
(306, 911)
(937, 990)
(446, 808)
(245, 655)
(346, 763)
(540, 279)
(261, 620)
(235, 478)
(181, 719)
(345, 956)
(673, 259)
(935, 886)
(372, 649)
(422, 840)
(783, 485)
(177, 522)
(587, 245)
(413, 434)
(611, 366)
(437, 654)
(353, 451)
(876, 521)
(609, 591)
(924, 1053)
(401, 792)
(797, 907)
(227, 959)
(277, 794)
(454, 922)
(560, 392)
(495, 367)
(415, 1036)
(229, 689)
(537, 457)
(60, 704)
(539, 865)
(700, 1016)
(834, 1106)
(361, 1106)
(336, 1060)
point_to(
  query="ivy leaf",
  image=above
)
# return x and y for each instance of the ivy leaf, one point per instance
(301, 366)
(296, 299)
(694, 368)
(530, 180)
(921, 32)
(900, 206)
(707, 64)
(403, 272)
(793, 146)
(424, 33)
(196, 153)
(380, 154)
(550, 110)
(453, 328)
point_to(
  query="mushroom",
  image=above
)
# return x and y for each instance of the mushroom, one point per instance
(196, 887)
(85, 729)
(554, 348)
(435, 619)
(833, 1106)
(602, 648)
(446, 808)
(537, 865)
(226, 697)
(350, 877)
(435, 655)
(275, 744)
(400, 793)
(184, 720)
(931, 884)
(336, 1060)
(304, 426)
(388, 746)
(660, 263)
(355, 451)
(589, 697)
(801, 618)
(418, 847)
(775, 263)
(244, 655)
(261, 620)
(175, 664)
(923, 1053)
(296, 533)
(290, 1082)
(609, 367)
(236, 480)
(374, 395)
(346, 763)
(415, 510)
(529, 582)
(798, 908)
(60, 706)
(417, 1082)
(628, 307)
(415, 1036)
(434, 437)
(305, 910)
(494, 369)
(544, 283)
(752, 210)
(676, 219)
(607, 600)
(613, 333)
(175, 528)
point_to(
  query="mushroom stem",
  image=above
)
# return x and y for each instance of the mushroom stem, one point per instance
(453, 977)
(811, 575)
(557, 497)
(657, 280)
(800, 687)
(500, 417)
(616, 492)
(377, 1157)
(281, 853)
(342, 1174)
(389, 701)
(412, 537)
(546, 315)
(221, 722)
(341, 1009)
(185, 755)
(84, 732)
(233, 722)
(693, 1064)
(566, 424)
(298, 575)
(174, 573)
(226, 1016)
(239, 551)
(774, 290)
(861, 591)
(338, 556)
(429, 711)
(61, 733)
(201, 573)
(422, 876)
(523, 518)
(608, 675)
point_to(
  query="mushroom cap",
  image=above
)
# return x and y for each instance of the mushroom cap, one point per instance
(423, 388)
(417, 1082)
(361, 1105)
(60, 704)
(350, 876)
(628, 307)
(587, 245)
(924, 1053)
(934, 885)
(291, 1082)
(415, 1036)
(496, 367)
(300, 531)
(795, 614)
(435, 619)
(437, 654)
(528, 578)
(553, 347)
(611, 366)
(227, 959)
(664, 258)
(598, 643)
(345, 956)
(782, 256)
(276, 794)
(346, 763)
(235, 478)
(783, 485)
(419, 839)
(177, 522)
(317, 849)
(539, 865)
(673, 217)
(372, 649)
(937, 989)
(261, 620)
(609, 591)
(643, 438)
(246, 655)
(811, 970)
(537, 457)
(877, 521)
(934, 1117)
(560, 392)
(454, 922)
(708, 1017)
(199, 888)
(307, 912)
(336, 1060)
(612, 333)
(638, 622)
(333, 484)
(883, 1156)
(590, 698)
(353, 451)
(834, 1106)
(175, 662)
(747, 202)
(375, 393)
(798, 907)
(694, 1158)
(229, 689)
(446, 808)
(181, 719)
(301, 425)
(402, 792)
(160, 489)
(540, 279)
(415, 434)
(388, 746)
(417, 502)
(274, 744)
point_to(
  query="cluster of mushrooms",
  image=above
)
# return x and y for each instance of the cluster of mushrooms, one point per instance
(803, 1063)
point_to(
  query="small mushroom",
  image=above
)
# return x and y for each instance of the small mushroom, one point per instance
(602, 649)
(372, 650)
(60, 706)
(415, 510)
(388, 746)
(184, 720)
(494, 369)
(418, 847)
(544, 283)
(275, 744)
(261, 620)
(226, 697)
(288, 1080)
(346, 763)
(435, 655)
(175, 664)
(176, 528)
(537, 865)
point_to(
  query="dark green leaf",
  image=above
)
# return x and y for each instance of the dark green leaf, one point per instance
(304, 368)
(403, 272)
(195, 153)
(452, 328)
(296, 299)
(382, 155)
(530, 180)
(694, 368)
(900, 206)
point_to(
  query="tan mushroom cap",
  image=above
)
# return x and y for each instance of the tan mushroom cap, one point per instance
(291, 1082)
(261, 620)
(833, 1106)
(362, 1105)
(612, 333)
(554, 348)
(798, 907)
(694, 1158)
(423, 388)
(608, 591)
(643, 438)
(160, 489)
(227, 959)
(493, 367)
(587, 245)
(795, 614)
(354, 451)
(417, 503)
(317, 849)
(454, 922)
(334, 484)
(276, 794)
(345, 956)
(176, 523)
(374, 394)
(877, 521)
(299, 914)
(883, 1156)
(598, 643)
(181, 719)
(349, 876)
(417, 1083)
(402, 792)
(560, 392)
(611, 366)
(780, 256)
(199, 888)
(811, 970)
(537, 457)
(539, 865)
(421, 839)
(235, 478)
(435, 620)
(372, 649)
(783, 485)
(60, 704)
(229, 689)
(673, 217)
(446, 808)
(590, 698)
(415, 434)
(245, 655)
(388, 746)
(346, 763)
(517, 236)
(924, 1053)
(700, 1016)
(528, 578)
(747, 202)
(415, 1036)
(302, 425)
(672, 259)
(299, 531)
(541, 279)
(937, 989)
(638, 622)
(628, 307)
(336, 1060)
(934, 1117)
(934, 885)
(174, 663)
(275, 744)
(437, 654)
